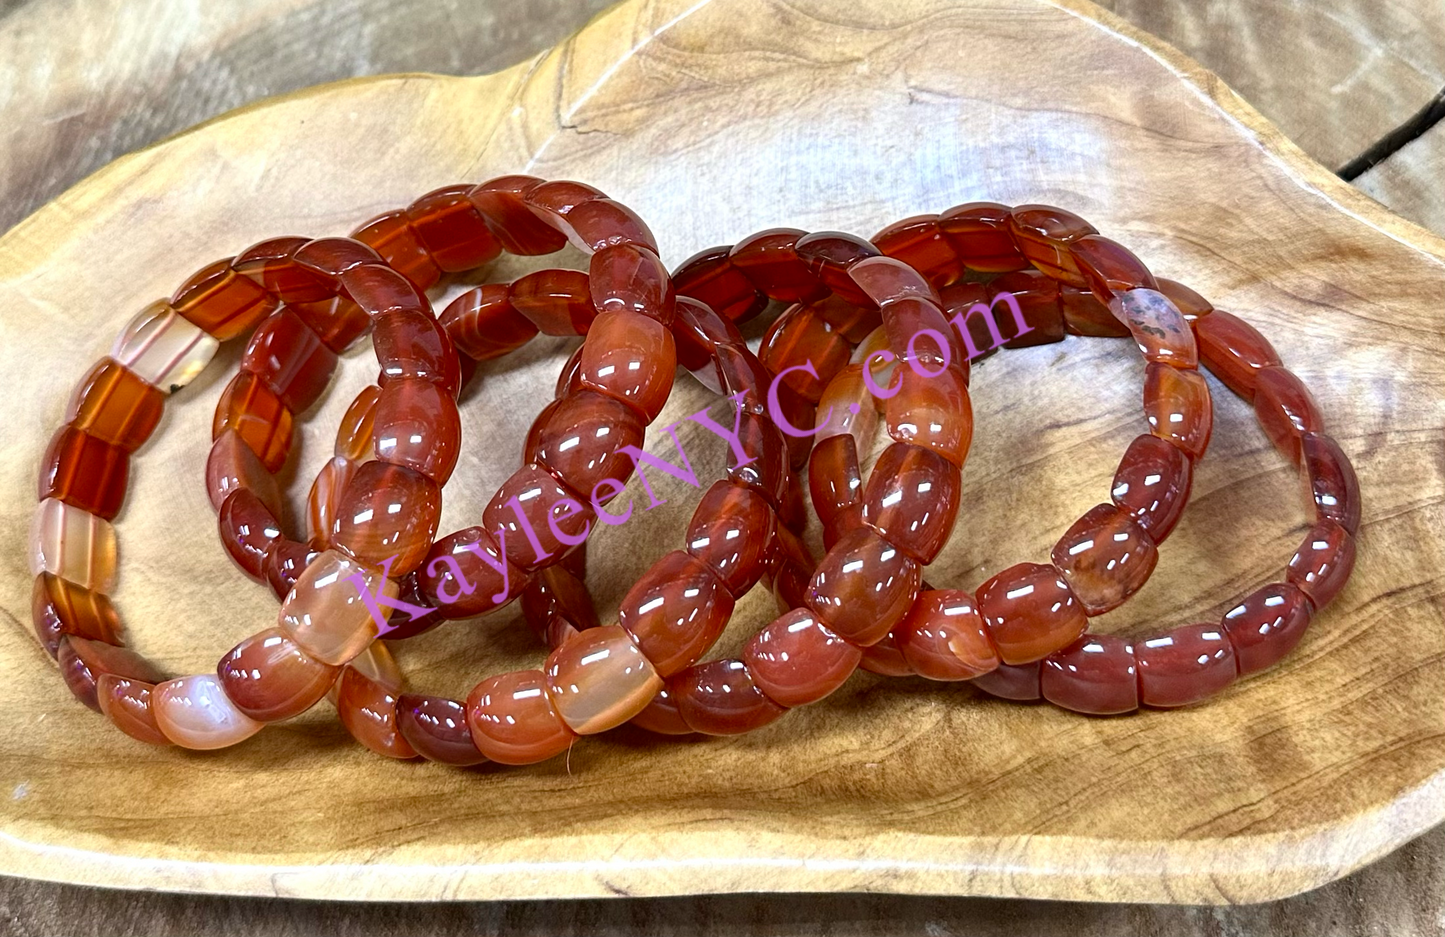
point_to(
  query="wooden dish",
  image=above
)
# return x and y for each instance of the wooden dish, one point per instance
(714, 120)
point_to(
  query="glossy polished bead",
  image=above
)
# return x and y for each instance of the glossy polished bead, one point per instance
(797, 660)
(436, 729)
(556, 592)
(388, 512)
(232, 466)
(1234, 351)
(1322, 564)
(1030, 612)
(163, 349)
(1330, 482)
(1178, 408)
(409, 624)
(541, 517)
(944, 637)
(483, 324)
(112, 403)
(285, 562)
(599, 679)
(395, 240)
(258, 416)
(377, 664)
(1184, 665)
(84, 472)
(1040, 305)
(919, 243)
(913, 326)
(885, 659)
(558, 198)
(850, 320)
(584, 438)
(558, 302)
(270, 678)
(978, 233)
(451, 228)
(729, 532)
(411, 344)
(932, 412)
(847, 407)
(1109, 267)
(513, 721)
(829, 254)
(599, 223)
(1085, 314)
(1097, 675)
(1190, 303)
(1021, 683)
(662, 716)
(327, 614)
(710, 278)
(1152, 484)
(1159, 329)
(912, 500)
(675, 612)
(769, 259)
(720, 697)
(798, 338)
(354, 435)
(58, 608)
(127, 704)
(631, 278)
(1267, 625)
(629, 357)
(886, 280)
(368, 711)
(467, 573)
(324, 500)
(1105, 558)
(1043, 233)
(72, 544)
(290, 360)
(82, 662)
(863, 587)
(248, 531)
(765, 467)
(834, 480)
(503, 203)
(272, 265)
(1286, 409)
(221, 301)
(194, 712)
(416, 425)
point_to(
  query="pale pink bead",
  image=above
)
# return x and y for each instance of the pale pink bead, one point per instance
(164, 348)
(599, 679)
(72, 544)
(326, 613)
(195, 712)
(325, 498)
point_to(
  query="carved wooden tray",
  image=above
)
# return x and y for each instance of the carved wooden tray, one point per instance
(713, 120)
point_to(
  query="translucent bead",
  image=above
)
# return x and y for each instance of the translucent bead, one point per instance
(1323, 563)
(1286, 409)
(232, 466)
(194, 712)
(1097, 675)
(863, 587)
(918, 333)
(721, 698)
(829, 254)
(765, 468)
(368, 711)
(912, 499)
(483, 324)
(944, 637)
(553, 199)
(709, 277)
(285, 562)
(599, 223)
(249, 531)
(583, 442)
(834, 479)
(392, 236)
(467, 573)
(379, 290)
(886, 280)
(541, 517)
(324, 500)
(411, 344)
(675, 612)
(662, 716)
(1178, 407)
(1040, 302)
(83, 662)
(269, 677)
(1105, 558)
(258, 416)
(919, 243)
(112, 403)
(84, 472)
(163, 349)
(631, 278)
(1020, 682)
(629, 357)
(599, 679)
(436, 729)
(503, 203)
(1188, 302)
(59, 608)
(451, 228)
(933, 412)
(1152, 484)
(1234, 351)
(1184, 665)
(769, 259)
(326, 613)
(1084, 314)
(513, 721)
(290, 360)
(554, 593)
(797, 660)
(377, 664)
(885, 659)
(1030, 612)
(1330, 482)
(73, 545)
(354, 435)
(272, 265)
(978, 233)
(1159, 329)
(388, 512)
(221, 301)
(416, 425)
(799, 338)
(558, 302)
(850, 320)
(1109, 267)
(127, 704)
(847, 408)
(729, 532)
(1266, 625)
(1043, 233)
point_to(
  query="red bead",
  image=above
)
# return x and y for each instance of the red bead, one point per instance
(797, 660)
(248, 532)
(765, 468)
(417, 425)
(1030, 612)
(232, 465)
(83, 662)
(1267, 625)
(467, 573)
(629, 357)
(84, 472)
(1152, 484)
(912, 499)
(559, 197)
(392, 237)
(437, 729)
(503, 203)
(800, 337)
(662, 716)
(285, 562)
(583, 439)
(558, 302)
(769, 259)
(1084, 314)
(1233, 351)
(59, 607)
(337, 321)
(602, 222)
(978, 233)
(1039, 300)
(919, 242)
(1190, 303)
(270, 678)
(1330, 481)
(1185, 665)
(290, 360)
(1097, 675)
(835, 481)
(1322, 564)
(631, 278)
(258, 416)
(272, 265)
(452, 230)
(721, 698)
(1105, 558)
(1109, 267)
(542, 518)
(368, 710)
(933, 412)
(1043, 233)
(729, 532)
(483, 324)
(412, 344)
(944, 637)
(222, 302)
(388, 512)
(331, 258)
(676, 611)
(829, 254)
(513, 721)
(1286, 409)
(863, 587)
(709, 277)
(1020, 682)
(1159, 329)
(1178, 407)
(114, 404)
(886, 280)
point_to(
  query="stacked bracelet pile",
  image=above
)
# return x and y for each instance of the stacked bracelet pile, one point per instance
(880, 331)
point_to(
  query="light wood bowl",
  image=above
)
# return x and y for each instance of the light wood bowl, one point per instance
(714, 120)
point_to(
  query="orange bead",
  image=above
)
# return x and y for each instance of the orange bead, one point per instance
(354, 435)
(863, 587)
(629, 357)
(1040, 304)
(388, 512)
(163, 349)
(1286, 410)
(721, 698)
(72, 544)
(1043, 233)
(368, 710)
(631, 278)
(542, 518)
(59, 608)
(503, 202)
(416, 424)
(513, 721)
(709, 277)
(583, 441)
(258, 416)
(82, 662)
(272, 265)
(127, 704)
(411, 344)
(1109, 267)
(599, 679)
(933, 412)
(558, 302)
(270, 678)
(800, 337)
(675, 611)
(231, 466)
(483, 324)
(324, 500)
(1105, 558)
(1234, 351)
(221, 301)
(290, 359)
(1098, 674)
(194, 712)
(85, 473)
(249, 531)
(919, 242)
(112, 403)
(912, 499)
(454, 233)
(1188, 302)
(769, 260)
(834, 480)
(1178, 407)
(729, 531)
(1030, 612)
(978, 233)
(796, 659)
(944, 637)
(392, 236)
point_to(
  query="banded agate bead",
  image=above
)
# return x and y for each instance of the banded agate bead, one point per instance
(1286, 410)
(73, 545)
(1178, 407)
(1330, 481)
(354, 436)
(388, 513)
(127, 704)
(82, 662)
(59, 608)
(258, 416)
(583, 442)
(324, 500)
(978, 232)
(1185, 665)
(770, 262)
(676, 611)
(451, 228)
(232, 466)
(222, 302)
(483, 324)
(1234, 351)
(863, 587)
(1030, 612)
(1096, 675)
(416, 425)
(114, 404)
(410, 343)
(326, 613)
(1105, 558)
(269, 677)
(436, 729)
(1152, 484)
(801, 338)
(513, 721)
(796, 659)
(631, 278)
(599, 679)
(195, 712)
(368, 710)
(84, 472)
(729, 532)
(557, 302)
(912, 499)
(1019, 682)
(1321, 566)
(629, 357)
(944, 637)
(249, 532)
(919, 243)
(468, 573)
(1043, 234)
(1267, 625)
(163, 349)
(720, 697)
(933, 412)
(290, 359)
(538, 516)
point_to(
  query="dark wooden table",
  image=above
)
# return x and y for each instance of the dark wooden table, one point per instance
(89, 82)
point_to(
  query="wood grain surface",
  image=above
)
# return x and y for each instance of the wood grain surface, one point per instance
(1412, 181)
(1399, 905)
